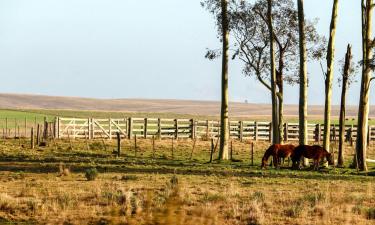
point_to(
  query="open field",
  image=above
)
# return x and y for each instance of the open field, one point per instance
(169, 187)
(147, 106)
(34, 116)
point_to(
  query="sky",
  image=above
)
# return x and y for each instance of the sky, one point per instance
(142, 49)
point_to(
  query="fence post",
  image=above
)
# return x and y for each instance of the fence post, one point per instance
(32, 138)
(176, 127)
(252, 153)
(212, 149)
(286, 132)
(57, 130)
(118, 143)
(159, 128)
(270, 132)
(38, 135)
(25, 127)
(256, 131)
(207, 129)
(241, 131)
(192, 128)
(130, 127)
(145, 128)
(88, 129)
(110, 128)
(351, 135)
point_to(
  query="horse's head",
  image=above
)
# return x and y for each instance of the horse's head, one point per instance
(264, 163)
(330, 159)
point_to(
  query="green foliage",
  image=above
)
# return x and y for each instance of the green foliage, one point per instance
(91, 174)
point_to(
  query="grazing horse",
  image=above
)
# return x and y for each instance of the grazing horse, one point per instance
(277, 151)
(315, 152)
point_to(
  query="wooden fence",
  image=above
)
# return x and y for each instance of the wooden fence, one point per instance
(92, 128)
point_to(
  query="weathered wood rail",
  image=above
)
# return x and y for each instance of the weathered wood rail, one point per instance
(92, 128)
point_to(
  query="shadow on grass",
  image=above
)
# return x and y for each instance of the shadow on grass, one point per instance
(198, 169)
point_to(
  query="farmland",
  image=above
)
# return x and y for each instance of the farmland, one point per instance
(173, 185)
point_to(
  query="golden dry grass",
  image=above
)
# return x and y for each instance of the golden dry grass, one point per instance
(48, 186)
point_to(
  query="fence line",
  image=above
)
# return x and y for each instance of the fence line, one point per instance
(189, 128)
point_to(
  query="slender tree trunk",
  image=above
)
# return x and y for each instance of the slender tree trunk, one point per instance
(303, 78)
(280, 96)
(281, 117)
(344, 87)
(363, 110)
(224, 134)
(329, 77)
(275, 133)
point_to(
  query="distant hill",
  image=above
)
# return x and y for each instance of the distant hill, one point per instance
(24, 101)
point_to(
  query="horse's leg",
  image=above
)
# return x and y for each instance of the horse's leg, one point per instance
(275, 161)
(316, 164)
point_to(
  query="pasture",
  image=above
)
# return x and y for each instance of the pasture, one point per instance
(165, 185)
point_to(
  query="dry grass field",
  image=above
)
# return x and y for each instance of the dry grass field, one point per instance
(81, 182)
(184, 107)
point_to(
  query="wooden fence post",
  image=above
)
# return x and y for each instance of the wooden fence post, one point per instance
(89, 128)
(25, 127)
(57, 129)
(145, 128)
(256, 131)
(153, 146)
(32, 138)
(38, 135)
(231, 150)
(118, 143)
(130, 128)
(207, 129)
(351, 135)
(192, 125)
(241, 131)
(135, 145)
(176, 127)
(212, 149)
(172, 148)
(110, 128)
(159, 128)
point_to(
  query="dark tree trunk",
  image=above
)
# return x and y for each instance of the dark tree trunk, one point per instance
(344, 87)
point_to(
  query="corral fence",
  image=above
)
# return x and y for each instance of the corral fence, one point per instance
(92, 128)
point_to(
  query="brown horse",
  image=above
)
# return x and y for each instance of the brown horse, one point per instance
(277, 152)
(315, 152)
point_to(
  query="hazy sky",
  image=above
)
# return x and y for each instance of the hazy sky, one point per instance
(140, 49)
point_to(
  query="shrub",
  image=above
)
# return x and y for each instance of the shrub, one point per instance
(91, 174)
